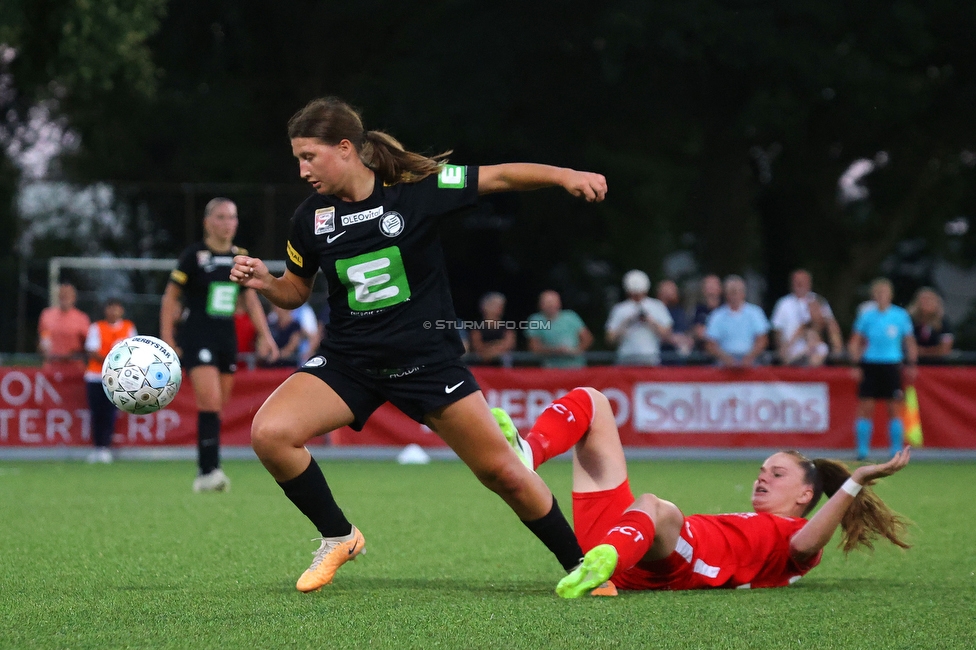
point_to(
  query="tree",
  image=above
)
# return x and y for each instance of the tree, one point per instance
(58, 57)
(723, 127)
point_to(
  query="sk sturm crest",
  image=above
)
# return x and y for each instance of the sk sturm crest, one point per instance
(141, 375)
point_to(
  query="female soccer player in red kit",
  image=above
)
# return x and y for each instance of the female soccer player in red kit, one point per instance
(648, 543)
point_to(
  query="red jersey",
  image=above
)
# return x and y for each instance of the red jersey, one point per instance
(246, 332)
(742, 550)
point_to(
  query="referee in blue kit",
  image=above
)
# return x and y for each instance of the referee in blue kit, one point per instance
(884, 345)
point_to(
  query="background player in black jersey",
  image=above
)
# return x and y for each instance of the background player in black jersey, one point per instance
(207, 342)
(372, 229)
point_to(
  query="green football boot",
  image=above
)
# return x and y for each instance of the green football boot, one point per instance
(597, 567)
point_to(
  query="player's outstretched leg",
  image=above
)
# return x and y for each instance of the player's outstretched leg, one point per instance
(597, 567)
(521, 447)
(333, 553)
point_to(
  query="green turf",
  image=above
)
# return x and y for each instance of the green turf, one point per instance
(127, 556)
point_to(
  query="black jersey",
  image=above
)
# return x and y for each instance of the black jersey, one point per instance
(208, 293)
(389, 297)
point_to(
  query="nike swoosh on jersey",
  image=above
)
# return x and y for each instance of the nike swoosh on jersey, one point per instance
(332, 238)
(451, 389)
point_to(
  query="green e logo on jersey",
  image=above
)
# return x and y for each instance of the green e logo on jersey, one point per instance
(452, 176)
(222, 298)
(374, 280)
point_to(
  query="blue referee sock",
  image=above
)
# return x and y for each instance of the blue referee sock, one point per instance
(862, 429)
(896, 433)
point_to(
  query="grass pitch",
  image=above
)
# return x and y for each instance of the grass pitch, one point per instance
(127, 556)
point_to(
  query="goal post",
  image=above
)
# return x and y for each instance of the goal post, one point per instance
(138, 282)
(56, 265)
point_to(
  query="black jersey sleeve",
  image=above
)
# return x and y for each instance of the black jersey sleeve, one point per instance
(454, 188)
(302, 258)
(186, 265)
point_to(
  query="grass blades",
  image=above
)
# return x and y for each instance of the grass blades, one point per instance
(126, 555)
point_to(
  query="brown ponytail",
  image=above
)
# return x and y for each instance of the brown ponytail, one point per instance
(331, 120)
(866, 519)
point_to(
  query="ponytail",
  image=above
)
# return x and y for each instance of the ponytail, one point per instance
(332, 120)
(384, 154)
(866, 519)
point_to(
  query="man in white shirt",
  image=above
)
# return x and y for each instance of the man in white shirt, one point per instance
(792, 311)
(637, 325)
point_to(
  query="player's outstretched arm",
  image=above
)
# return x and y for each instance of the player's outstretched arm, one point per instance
(817, 532)
(290, 291)
(519, 177)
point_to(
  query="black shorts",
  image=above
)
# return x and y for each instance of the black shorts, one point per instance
(416, 391)
(881, 381)
(213, 349)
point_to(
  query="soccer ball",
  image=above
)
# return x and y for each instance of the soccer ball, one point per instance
(141, 375)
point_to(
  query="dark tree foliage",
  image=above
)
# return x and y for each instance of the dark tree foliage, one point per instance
(722, 127)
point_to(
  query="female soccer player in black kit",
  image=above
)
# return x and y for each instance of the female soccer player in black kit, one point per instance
(372, 229)
(207, 342)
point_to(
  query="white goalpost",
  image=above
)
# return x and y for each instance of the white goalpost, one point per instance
(56, 265)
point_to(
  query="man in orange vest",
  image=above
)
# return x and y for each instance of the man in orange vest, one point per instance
(102, 335)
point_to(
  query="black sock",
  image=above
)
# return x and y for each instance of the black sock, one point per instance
(556, 534)
(208, 441)
(311, 494)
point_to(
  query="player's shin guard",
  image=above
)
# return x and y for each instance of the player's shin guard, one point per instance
(561, 425)
(631, 537)
(311, 494)
(554, 531)
(896, 434)
(862, 430)
(208, 441)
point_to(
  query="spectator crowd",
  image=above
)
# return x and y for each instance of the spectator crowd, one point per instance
(722, 327)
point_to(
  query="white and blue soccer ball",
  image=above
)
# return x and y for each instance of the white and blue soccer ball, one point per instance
(141, 375)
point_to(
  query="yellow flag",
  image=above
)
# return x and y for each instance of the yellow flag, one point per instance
(913, 420)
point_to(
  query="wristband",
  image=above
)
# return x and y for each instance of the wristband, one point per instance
(852, 487)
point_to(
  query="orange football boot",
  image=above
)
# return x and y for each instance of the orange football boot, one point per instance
(332, 554)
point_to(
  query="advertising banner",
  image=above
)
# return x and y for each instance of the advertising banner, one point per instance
(653, 407)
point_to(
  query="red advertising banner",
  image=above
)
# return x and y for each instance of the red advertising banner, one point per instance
(656, 407)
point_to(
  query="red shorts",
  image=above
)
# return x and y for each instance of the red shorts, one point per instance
(595, 513)
(730, 550)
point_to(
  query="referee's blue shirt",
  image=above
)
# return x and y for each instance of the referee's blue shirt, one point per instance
(884, 332)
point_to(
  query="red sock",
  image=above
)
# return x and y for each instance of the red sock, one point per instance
(560, 426)
(632, 537)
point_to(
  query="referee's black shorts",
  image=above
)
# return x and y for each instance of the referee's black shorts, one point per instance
(416, 391)
(880, 381)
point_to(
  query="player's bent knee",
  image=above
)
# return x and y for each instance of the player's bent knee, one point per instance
(267, 435)
(600, 402)
(662, 513)
(502, 477)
